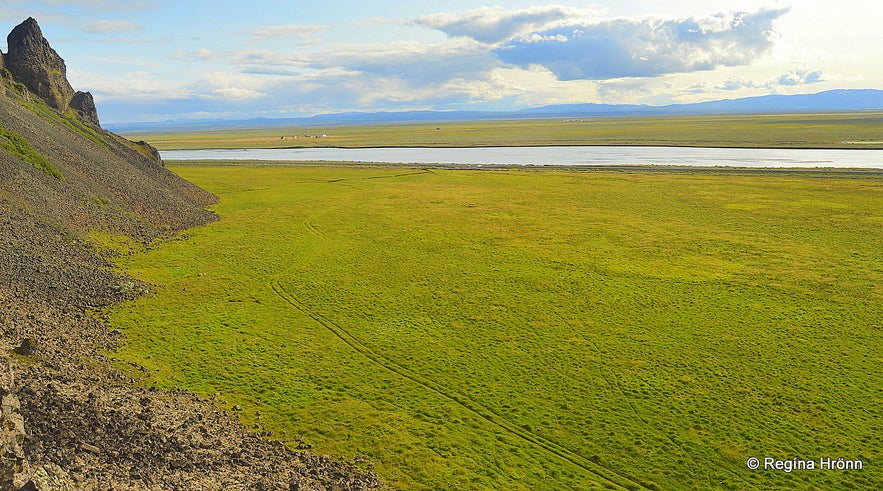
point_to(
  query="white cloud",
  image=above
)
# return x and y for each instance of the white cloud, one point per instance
(496, 24)
(99, 26)
(538, 38)
(645, 47)
(729, 85)
(800, 77)
(229, 87)
(296, 31)
(201, 54)
(237, 93)
(135, 85)
(414, 64)
(794, 78)
(419, 64)
(738, 83)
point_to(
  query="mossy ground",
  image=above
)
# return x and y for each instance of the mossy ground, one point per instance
(532, 329)
(16, 145)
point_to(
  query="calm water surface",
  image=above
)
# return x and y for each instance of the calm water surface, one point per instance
(564, 155)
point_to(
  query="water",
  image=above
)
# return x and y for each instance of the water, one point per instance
(557, 156)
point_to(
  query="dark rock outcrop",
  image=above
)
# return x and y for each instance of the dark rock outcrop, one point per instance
(84, 105)
(33, 62)
(148, 151)
(40, 71)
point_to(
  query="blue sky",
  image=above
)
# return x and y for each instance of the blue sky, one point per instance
(152, 60)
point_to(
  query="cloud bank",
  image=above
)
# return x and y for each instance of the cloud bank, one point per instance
(492, 58)
(644, 47)
(570, 44)
(496, 24)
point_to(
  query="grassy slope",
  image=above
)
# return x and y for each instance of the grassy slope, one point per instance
(849, 130)
(533, 330)
(13, 143)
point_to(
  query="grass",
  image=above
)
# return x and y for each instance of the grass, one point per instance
(68, 118)
(840, 130)
(519, 329)
(17, 145)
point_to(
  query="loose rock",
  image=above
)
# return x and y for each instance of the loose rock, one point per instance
(68, 418)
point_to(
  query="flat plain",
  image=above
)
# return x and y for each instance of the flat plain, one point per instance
(855, 130)
(523, 329)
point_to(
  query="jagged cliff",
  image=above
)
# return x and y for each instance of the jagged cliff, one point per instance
(32, 62)
(69, 419)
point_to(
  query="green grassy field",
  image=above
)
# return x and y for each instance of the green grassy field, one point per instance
(518, 329)
(841, 130)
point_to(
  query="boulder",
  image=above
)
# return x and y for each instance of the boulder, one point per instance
(51, 477)
(84, 105)
(27, 347)
(14, 469)
(148, 151)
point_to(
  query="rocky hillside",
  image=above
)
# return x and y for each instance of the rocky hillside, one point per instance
(68, 418)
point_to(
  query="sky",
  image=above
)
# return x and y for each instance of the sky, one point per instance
(155, 60)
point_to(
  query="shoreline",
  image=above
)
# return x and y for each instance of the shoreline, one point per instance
(848, 145)
(649, 168)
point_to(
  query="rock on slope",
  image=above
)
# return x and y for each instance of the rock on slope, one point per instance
(68, 418)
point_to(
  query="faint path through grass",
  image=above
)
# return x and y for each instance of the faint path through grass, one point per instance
(313, 230)
(614, 382)
(620, 481)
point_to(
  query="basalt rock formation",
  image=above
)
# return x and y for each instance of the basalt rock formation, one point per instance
(70, 418)
(32, 62)
(84, 106)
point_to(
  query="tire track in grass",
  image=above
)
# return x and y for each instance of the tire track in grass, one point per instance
(618, 481)
(394, 176)
(613, 381)
(313, 230)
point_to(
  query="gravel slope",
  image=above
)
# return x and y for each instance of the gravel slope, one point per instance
(68, 418)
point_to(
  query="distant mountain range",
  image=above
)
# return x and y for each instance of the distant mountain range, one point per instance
(829, 101)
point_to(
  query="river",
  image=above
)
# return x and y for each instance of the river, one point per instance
(556, 156)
